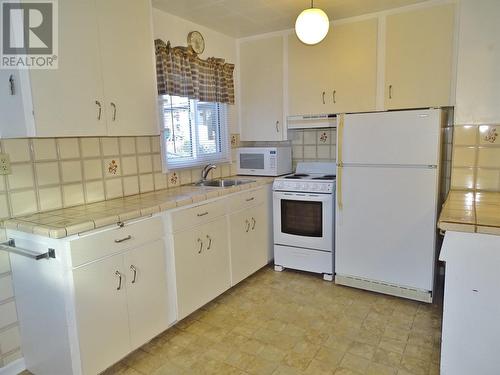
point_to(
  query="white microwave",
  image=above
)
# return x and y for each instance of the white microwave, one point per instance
(264, 161)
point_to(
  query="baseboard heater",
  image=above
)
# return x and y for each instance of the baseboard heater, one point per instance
(385, 288)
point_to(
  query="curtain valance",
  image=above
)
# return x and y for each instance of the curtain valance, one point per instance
(181, 72)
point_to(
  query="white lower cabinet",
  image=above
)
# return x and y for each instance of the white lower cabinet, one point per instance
(101, 312)
(249, 232)
(201, 265)
(120, 304)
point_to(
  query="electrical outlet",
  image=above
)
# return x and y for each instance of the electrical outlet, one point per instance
(5, 164)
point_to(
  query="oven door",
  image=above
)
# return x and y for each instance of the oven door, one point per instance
(303, 220)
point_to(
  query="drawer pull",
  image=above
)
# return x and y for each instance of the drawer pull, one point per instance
(250, 199)
(253, 223)
(248, 226)
(209, 242)
(202, 214)
(201, 245)
(129, 237)
(119, 275)
(134, 270)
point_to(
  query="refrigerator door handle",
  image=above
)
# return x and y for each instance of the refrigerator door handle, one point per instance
(340, 164)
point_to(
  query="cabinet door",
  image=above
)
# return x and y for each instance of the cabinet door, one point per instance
(64, 99)
(261, 72)
(13, 108)
(419, 50)
(239, 233)
(478, 69)
(249, 241)
(101, 314)
(129, 74)
(309, 78)
(147, 292)
(352, 54)
(217, 278)
(189, 271)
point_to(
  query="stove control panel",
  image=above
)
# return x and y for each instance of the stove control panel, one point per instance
(325, 187)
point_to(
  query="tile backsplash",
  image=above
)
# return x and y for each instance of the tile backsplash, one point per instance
(52, 173)
(313, 145)
(476, 157)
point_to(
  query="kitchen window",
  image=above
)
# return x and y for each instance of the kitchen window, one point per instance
(194, 133)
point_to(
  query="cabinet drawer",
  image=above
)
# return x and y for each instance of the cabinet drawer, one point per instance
(98, 245)
(193, 216)
(247, 199)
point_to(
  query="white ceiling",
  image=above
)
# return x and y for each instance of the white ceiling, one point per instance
(239, 18)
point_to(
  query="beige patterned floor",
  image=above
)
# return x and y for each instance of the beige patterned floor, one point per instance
(296, 323)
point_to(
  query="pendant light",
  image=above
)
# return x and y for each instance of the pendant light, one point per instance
(312, 25)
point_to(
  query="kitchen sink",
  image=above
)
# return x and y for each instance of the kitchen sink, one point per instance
(223, 182)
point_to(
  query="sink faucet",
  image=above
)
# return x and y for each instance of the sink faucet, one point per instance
(206, 170)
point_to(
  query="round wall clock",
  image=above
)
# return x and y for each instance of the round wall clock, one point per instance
(196, 42)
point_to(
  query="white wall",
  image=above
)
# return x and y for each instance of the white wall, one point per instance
(175, 29)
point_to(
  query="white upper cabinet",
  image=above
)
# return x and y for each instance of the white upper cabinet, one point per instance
(66, 100)
(105, 82)
(419, 53)
(128, 67)
(478, 69)
(337, 75)
(261, 74)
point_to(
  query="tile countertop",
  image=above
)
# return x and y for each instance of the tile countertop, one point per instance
(72, 220)
(469, 211)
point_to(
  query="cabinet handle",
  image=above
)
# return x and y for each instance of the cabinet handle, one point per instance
(334, 96)
(119, 275)
(201, 245)
(202, 214)
(253, 223)
(129, 237)
(277, 126)
(209, 242)
(250, 199)
(248, 226)
(12, 86)
(390, 91)
(99, 109)
(323, 97)
(113, 105)
(134, 270)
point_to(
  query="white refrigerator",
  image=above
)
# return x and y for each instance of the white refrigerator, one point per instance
(387, 196)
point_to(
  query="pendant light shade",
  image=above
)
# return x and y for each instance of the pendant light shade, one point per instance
(312, 25)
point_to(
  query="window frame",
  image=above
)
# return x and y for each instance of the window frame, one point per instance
(197, 160)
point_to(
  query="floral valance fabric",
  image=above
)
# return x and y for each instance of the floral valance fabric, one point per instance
(181, 72)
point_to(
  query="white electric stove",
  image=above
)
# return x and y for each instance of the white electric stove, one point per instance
(304, 219)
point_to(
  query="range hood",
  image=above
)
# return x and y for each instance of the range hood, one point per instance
(312, 121)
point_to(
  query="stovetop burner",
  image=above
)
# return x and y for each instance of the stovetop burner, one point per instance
(297, 176)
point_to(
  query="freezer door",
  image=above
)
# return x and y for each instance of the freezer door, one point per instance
(400, 137)
(386, 228)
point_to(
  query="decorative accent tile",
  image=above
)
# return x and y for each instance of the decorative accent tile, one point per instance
(173, 179)
(489, 134)
(324, 137)
(235, 140)
(112, 167)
